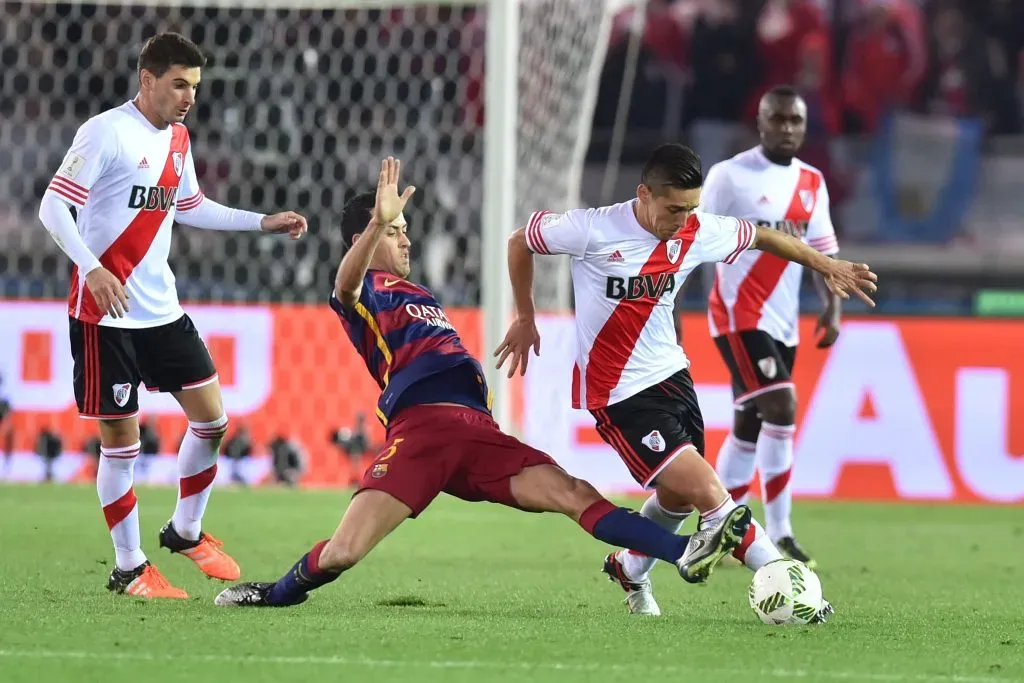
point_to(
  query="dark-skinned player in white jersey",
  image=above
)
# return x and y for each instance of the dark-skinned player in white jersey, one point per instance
(754, 305)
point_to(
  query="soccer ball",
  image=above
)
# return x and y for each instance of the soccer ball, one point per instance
(785, 592)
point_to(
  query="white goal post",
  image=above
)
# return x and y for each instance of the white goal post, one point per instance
(299, 101)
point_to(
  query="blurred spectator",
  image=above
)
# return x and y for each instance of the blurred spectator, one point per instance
(884, 62)
(724, 70)
(236, 450)
(1003, 23)
(6, 432)
(959, 81)
(91, 448)
(794, 46)
(287, 460)
(150, 445)
(354, 443)
(48, 448)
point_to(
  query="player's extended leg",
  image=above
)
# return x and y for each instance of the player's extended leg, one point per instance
(548, 488)
(197, 468)
(690, 480)
(132, 573)
(371, 516)
(631, 569)
(736, 460)
(775, 462)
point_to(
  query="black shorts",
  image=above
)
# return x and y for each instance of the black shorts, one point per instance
(758, 362)
(110, 362)
(648, 430)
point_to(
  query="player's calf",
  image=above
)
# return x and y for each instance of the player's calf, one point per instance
(371, 516)
(548, 488)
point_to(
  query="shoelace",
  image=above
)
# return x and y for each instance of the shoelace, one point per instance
(154, 578)
(214, 541)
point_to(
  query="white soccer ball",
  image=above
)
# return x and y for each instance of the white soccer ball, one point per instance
(785, 592)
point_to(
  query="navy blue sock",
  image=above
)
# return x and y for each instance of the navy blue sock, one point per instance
(627, 529)
(304, 576)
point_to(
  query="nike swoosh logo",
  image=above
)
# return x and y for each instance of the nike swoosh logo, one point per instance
(389, 283)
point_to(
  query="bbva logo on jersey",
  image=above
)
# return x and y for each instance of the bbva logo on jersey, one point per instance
(640, 286)
(155, 198)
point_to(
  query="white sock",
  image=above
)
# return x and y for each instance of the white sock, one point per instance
(637, 565)
(736, 466)
(757, 549)
(197, 468)
(114, 478)
(775, 461)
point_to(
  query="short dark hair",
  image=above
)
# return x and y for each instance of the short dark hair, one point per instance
(783, 90)
(356, 215)
(165, 50)
(673, 165)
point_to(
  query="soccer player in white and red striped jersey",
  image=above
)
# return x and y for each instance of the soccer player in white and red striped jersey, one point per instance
(754, 305)
(129, 175)
(631, 374)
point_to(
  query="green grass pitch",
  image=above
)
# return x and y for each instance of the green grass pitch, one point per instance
(481, 593)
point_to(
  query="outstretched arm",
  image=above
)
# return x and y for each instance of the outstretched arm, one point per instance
(545, 233)
(195, 209)
(841, 277)
(348, 283)
(520, 272)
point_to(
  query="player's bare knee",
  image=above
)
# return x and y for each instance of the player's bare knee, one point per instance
(671, 500)
(778, 407)
(119, 433)
(747, 423)
(338, 556)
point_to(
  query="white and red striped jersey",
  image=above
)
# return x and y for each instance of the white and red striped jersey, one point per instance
(625, 281)
(761, 291)
(126, 178)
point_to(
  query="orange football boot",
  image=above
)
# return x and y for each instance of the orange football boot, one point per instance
(206, 553)
(145, 581)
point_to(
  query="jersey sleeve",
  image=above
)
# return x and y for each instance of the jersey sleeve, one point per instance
(716, 193)
(366, 305)
(91, 151)
(722, 238)
(190, 195)
(821, 234)
(559, 233)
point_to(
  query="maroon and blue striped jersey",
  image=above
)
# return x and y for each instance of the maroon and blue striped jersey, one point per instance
(410, 347)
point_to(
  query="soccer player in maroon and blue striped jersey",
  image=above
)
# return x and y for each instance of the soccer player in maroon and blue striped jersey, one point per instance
(440, 434)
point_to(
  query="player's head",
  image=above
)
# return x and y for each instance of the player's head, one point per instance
(782, 121)
(169, 66)
(392, 252)
(669, 189)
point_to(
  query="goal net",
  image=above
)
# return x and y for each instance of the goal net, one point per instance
(298, 103)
